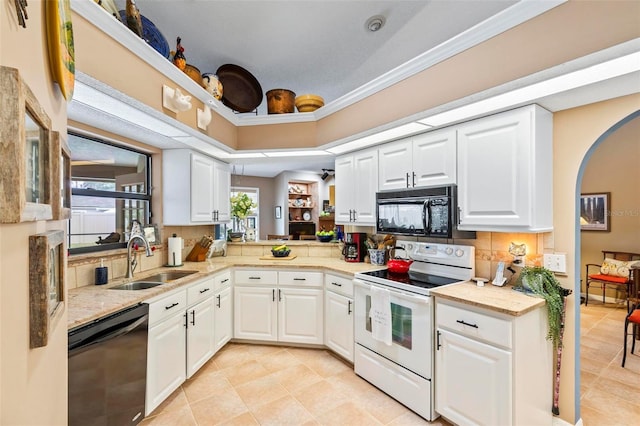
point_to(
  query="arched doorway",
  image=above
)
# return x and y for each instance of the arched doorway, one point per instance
(610, 162)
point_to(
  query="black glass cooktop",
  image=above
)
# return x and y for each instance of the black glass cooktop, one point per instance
(417, 279)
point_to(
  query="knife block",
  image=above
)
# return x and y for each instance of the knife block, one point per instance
(198, 253)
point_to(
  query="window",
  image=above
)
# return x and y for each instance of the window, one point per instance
(252, 219)
(109, 189)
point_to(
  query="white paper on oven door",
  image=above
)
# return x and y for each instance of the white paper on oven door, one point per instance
(380, 315)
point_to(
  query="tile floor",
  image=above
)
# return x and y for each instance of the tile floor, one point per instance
(274, 385)
(609, 394)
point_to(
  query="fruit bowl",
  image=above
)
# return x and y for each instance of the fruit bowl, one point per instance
(280, 253)
(324, 238)
(308, 103)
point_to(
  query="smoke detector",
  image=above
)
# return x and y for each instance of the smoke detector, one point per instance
(375, 23)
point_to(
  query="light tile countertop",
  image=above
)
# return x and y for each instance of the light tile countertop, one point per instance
(498, 299)
(89, 303)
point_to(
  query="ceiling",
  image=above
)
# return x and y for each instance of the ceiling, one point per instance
(323, 47)
(311, 46)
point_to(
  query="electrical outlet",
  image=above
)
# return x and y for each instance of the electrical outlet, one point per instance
(556, 262)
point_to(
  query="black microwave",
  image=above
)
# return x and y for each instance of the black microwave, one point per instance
(427, 212)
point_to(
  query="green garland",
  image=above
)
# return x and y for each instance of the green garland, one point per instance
(543, 282)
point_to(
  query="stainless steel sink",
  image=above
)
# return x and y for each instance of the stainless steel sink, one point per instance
(165, 277)
(154, 280)
(137, 285)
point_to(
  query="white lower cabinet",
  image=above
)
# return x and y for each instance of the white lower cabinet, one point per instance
(338, 316)
(223, 321)
(166, 355)
(491, 368)
(200, 340)
(255, 313)
(473, 381)
(181, 338)
(280, 306)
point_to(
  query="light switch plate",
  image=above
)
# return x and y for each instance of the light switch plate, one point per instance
(556, 262)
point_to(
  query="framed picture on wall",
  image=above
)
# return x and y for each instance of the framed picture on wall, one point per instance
(46, 285)
(595, 212)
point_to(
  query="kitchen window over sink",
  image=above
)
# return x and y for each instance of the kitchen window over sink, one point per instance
(109, 188)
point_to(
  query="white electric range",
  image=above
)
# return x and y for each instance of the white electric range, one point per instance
(404, 369)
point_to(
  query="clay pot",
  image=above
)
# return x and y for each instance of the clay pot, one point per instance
(280, 101)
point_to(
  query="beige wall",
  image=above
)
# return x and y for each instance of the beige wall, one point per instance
(613, 167)
(575, 132)
(33, 382)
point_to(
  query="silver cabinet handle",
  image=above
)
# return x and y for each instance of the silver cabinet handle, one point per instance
(193, 317)
(349, 308)
(299, 279)
(407, 174)
(224, 281)
(254, 278)
(273, 295)
(414, 179)
(337, 284)
(204, 290)
(218, 300)
(279, 295)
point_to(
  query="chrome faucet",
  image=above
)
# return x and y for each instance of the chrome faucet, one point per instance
(136, 234)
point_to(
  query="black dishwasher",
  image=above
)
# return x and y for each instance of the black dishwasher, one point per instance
(108, 369)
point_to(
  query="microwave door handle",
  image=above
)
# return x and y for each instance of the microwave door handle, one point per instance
(426, 217)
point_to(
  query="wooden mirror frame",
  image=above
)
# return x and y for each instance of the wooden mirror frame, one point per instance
(60, 177)
(46, 285)
(17, 101)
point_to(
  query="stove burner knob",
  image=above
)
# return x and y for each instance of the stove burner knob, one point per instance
(449, 251)
(459, 252)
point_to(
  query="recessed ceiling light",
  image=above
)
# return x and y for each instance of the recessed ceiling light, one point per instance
(375, 23)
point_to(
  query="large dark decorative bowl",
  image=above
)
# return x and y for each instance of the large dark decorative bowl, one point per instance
(281, 253)
(324, 238)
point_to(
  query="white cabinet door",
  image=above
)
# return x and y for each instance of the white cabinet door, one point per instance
(365, 186)
(223, 328)
(166, 360)
(200, 341)
(338, 327)
(344, 182)
(300, 315)
(505, 172)
(356, 187)
(434, 158)
(201, 185)
(473, 381)
(395, 163)
(255, 313)
(221, 192)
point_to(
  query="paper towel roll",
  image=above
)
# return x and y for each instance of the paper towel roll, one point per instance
(175, 251)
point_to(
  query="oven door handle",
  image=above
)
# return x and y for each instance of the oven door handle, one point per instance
(415, 298)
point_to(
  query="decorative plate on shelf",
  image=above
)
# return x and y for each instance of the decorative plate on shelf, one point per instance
(151, 35)
(306, 215)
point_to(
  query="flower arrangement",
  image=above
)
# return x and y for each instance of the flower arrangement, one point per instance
(241, 205)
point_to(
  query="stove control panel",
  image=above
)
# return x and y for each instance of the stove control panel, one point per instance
(447, 254)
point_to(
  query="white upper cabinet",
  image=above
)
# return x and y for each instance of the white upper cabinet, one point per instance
(428, 159)
(195, 188)
(356, 186)
(505, 172)
(221, 192)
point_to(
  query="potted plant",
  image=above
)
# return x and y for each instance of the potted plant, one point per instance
(241, 206)
(542, 282)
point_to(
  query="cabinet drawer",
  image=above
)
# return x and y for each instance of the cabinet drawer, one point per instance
(200, 291)
(475, 325)
(257, 277)
(168, 306)
(222, 280)
(339, 284)
(306, 279)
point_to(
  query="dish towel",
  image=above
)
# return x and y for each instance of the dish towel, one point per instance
(380, 315)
